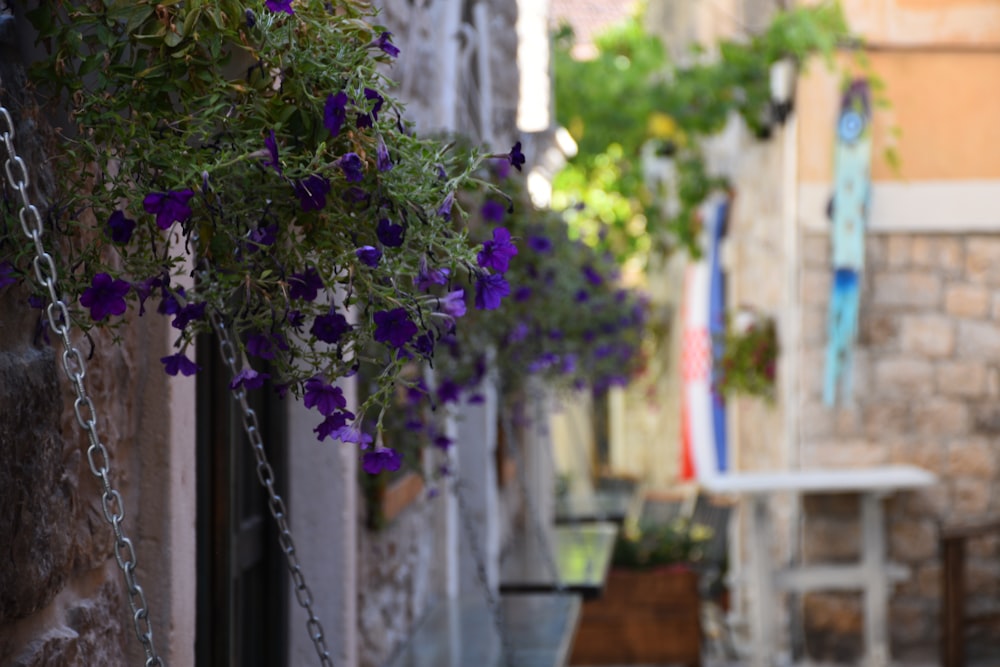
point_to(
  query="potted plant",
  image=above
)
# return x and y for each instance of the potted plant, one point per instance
(649, 612)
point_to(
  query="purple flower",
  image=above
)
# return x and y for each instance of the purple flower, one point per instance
(453, 303)
(383, 458)
(190, 312)
(491, 288)
(394, 327)
(251, 19)
(448, 391)
(7, 274)
(540, 244)
(516, 156)
(428, 277)
(105, 296)
(368, 119)
(312, 192)
(522, 294)
(296, 319)
(264, 346)
(326, 398)
(120, 228)
(248, 378)
(264, 236)
(442, 441)
(518, 333)
(384, 162)
(389, 234)
(353, 433)
(178, 363)
(496, 254)
(330, 327)
(169, 207)
(305, 285)
(369, 255)
(383, 43)
(425, 345)
(582, 296)
(335, 112)
(356, 195)
(272, 150)
(592, 276)
(332, 425)
(353, 167)
(493, 211)
(280, 6)
(169, 304)
(444, 210)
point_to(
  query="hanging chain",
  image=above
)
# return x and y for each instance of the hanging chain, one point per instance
(75, 369)
(506, 646)
(265, 474)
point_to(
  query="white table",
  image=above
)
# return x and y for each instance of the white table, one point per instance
(871, 575)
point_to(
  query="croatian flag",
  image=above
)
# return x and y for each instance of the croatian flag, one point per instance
(703, 410)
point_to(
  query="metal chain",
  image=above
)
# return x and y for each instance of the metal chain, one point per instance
(75, 369)
(265, 474)
(496, 612)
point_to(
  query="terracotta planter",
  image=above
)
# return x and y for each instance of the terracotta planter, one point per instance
(643, 617)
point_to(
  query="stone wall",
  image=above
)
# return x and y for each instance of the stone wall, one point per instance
(927, 378)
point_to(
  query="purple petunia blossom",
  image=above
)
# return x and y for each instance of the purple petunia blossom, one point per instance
(516, 156)
(296, 319)
(449, 391)
(389, 234)
(280, 6)
(7, 274)
(335, 112)
(582, 296)
(369, 255)
(330, 327)
(264, 236)
(120, 228)
(169, 303)
(428, 277)
(592, 276)
(326, 398)
(493, 211)
(187, 314)
(387, 46)
(169, 207)
(394, 327)
(368, 119)
(353, 433)
(272, 151)
(312, 192)
(443, 442)
(352, 166)
(248, 378)
(444, 210)
(383, 458)
(305, 285)
(105, 296)
(453, 303)
(250, 18)
(178, 363)
(424, 345)
(522, 294)
(384, 162)
(491, 288)
(330, 426)
(265, 346)
(496, 254)
(540, 244)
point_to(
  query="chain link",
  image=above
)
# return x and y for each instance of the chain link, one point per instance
(75, 369)
(276, 506)
(492, 601)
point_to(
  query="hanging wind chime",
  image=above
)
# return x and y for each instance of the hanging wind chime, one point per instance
(850, 207)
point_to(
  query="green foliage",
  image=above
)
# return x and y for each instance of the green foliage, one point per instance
(630, 94)
(749, 362)
(171, 97)
(653, 545)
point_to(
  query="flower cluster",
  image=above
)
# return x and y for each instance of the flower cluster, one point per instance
(319, 227)
(750, 355)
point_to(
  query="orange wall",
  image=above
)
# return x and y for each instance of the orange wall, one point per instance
(940, 62)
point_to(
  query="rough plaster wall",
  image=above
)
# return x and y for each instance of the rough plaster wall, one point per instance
(927, 371)
(394, 574)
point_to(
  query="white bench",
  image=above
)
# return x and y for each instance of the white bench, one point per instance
(871, 574)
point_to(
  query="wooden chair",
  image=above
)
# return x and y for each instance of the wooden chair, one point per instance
(955, 618)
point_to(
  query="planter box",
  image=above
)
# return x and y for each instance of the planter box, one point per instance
(643, 617)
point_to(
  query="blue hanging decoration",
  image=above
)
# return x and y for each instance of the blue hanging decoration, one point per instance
(851, 193)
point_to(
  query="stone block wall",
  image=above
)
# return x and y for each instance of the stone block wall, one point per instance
(926, 384)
